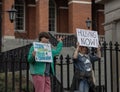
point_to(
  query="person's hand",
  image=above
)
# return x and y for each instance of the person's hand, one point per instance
(75, 55)
(77, 44)
(33, 53)
(60, 38)
(99, 48)
(99, 51)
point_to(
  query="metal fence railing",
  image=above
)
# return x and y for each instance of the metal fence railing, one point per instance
(14, 70)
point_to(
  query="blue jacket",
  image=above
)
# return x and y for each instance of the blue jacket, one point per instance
(84, 62)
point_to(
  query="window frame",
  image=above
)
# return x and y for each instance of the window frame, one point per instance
(54, 16)
(23, 22)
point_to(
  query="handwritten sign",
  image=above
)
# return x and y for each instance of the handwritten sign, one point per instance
(87, 38)
(43, 52)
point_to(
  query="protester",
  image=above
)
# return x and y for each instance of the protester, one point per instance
(83, 79)
(41, 71)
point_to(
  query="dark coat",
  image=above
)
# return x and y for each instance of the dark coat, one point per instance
(82, 76)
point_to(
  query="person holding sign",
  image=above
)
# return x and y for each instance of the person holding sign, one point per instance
(41, 71)
(83, 78)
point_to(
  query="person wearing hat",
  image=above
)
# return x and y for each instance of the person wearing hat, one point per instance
(83, 78)
(41, 71)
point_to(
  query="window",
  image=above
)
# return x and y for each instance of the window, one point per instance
(20, 15)
(51, 15)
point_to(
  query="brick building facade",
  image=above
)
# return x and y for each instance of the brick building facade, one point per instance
(34, 16)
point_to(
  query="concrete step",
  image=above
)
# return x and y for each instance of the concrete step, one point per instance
(8, 44)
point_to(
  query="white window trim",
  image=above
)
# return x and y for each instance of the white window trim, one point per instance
(22, 31)
(79, 2)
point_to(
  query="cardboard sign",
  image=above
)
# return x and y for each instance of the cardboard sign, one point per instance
(43, 52)
(87, 38)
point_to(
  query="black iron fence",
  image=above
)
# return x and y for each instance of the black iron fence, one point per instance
(14, 71)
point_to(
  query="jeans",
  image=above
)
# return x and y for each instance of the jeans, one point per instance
(83, 86)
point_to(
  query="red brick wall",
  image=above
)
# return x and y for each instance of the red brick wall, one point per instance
(62, 21)
(42, 15)
(78, 14)
(7, 26)
(37, 18)
(31, 23)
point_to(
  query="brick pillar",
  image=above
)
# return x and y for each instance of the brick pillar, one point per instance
(42, 15)
(79, 10)
(7, 26)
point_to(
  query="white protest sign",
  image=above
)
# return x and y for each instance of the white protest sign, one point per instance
(43, 52)
(87, 38)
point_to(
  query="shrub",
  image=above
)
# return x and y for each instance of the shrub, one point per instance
(16, 81)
